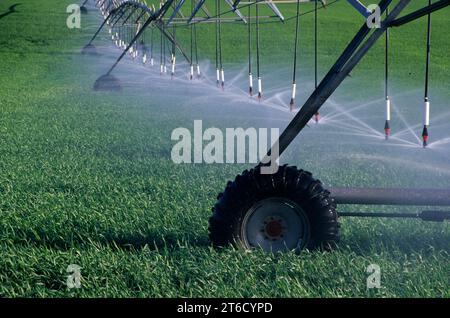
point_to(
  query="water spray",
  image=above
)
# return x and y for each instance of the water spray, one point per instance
(90, 48)
(108, 81)
(352, 55)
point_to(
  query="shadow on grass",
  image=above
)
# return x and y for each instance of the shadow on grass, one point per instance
(398, 239)
(11, 9)
(360, 237)
(154, 241)
(358, 242)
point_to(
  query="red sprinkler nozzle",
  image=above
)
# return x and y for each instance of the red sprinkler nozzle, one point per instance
(425, 136)
(292, 105)
(387, 130)
(317, 118)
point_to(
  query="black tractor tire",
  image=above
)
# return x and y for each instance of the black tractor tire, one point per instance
(290, 183)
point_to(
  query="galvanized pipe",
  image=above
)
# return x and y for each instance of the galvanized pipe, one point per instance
(434, 216)
(392, 196)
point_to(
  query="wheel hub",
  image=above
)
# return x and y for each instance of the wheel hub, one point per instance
(276, 225)
(274, 228)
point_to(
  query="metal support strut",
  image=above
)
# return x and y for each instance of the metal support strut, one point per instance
(399, 196)
(348, 60)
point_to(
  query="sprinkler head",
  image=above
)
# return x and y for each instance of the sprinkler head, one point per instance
(291, 105)
(317, 118)
(191, 72)
(107, 82)
(89, 49)
(425, 136)
(387, 130)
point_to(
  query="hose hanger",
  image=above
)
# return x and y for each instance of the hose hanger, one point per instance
(258, 54)
(294, 76)
(426, 111)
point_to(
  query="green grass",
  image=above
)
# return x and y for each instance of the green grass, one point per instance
(86, 178)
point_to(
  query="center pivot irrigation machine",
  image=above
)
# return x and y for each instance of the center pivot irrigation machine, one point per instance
(288, 210)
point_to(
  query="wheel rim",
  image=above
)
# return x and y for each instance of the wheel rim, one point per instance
(276, 225)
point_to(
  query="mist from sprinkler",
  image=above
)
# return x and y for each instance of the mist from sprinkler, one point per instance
(220, 82)
(351, 121)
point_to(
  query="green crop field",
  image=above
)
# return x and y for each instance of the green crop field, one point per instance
(87, 178)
